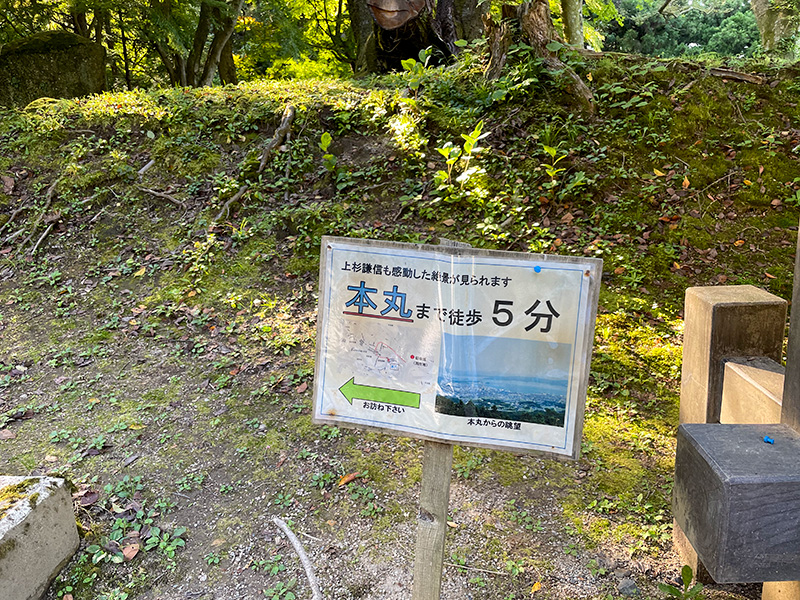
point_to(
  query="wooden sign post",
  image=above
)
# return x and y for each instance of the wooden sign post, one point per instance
(452, 344)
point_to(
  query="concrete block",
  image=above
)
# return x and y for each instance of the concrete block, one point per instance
(721, 323)
(752, 391)
(38, 534)
(737, 499)
(780, 590)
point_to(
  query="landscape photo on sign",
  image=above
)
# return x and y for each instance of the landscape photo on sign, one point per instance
(500, 378)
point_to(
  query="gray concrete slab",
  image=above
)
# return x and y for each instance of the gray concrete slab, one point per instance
(38, 535)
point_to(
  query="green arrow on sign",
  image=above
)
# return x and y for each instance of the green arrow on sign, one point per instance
(352, 390)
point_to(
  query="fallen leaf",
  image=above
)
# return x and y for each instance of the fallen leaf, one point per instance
(302, 387)
(748, 182)
(776, 202)
(348, 478)
(722, 278)
(685, 183)
(658, 173)
(567, 218)
(452, 524)
(760, 170)
(7, 434)
(130, 551)
(140, 272)
(738, 243)
(90, 498)
(769, 275)
(449, 222)
(218, 542)
(619, 270)
(536, 587)
(8, 184)
(589, 77)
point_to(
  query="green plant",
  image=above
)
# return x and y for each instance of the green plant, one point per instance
(281, 591)
(273, 565)
(415, 69)
(164, 541)
(523, 517)
(329, 432)
(189, 481)
(465, 469)
(688, 591)
(551, 169)
(453, 154)
(328, 160)
(595, 568)
(212, 558)
(515, 567)
(323, 480)
(283, 499)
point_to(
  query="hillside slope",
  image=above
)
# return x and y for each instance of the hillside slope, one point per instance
(158, 305)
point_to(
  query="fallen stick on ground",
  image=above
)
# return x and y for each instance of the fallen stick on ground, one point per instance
(163, 195)
(298, 547)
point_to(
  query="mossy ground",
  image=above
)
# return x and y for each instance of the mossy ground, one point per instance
(145, 340)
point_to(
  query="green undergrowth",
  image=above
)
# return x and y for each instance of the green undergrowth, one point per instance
(164, 328)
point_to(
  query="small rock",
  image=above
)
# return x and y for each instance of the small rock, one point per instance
(622, 573)
(627, 587)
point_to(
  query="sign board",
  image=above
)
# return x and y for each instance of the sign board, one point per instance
(458, 345)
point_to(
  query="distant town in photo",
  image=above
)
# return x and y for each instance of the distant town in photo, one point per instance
(510, 379)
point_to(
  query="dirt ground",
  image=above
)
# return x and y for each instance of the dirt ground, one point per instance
(98, 403)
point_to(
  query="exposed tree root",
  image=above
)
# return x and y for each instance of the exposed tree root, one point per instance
(316, 594)
(49, 200)
(163, 195)
(226, 208)
(283, 132)
(277, 139)
(41, 239)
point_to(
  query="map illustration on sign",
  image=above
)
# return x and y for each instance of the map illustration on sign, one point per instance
(455, 344)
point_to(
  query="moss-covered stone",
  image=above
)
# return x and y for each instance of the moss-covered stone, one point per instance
(53, 64)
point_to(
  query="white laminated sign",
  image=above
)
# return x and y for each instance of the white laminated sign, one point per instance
(458, 345)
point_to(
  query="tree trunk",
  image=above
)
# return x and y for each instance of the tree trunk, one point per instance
(221, 37)
(97, 25)
(572, 16)
(468, 18)
(126, 60)
(499, 38)
(227, 67)
(194, 60)
(80, 24)
(537, 25)
(774, 25)
(363, 27)
(389, 31)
